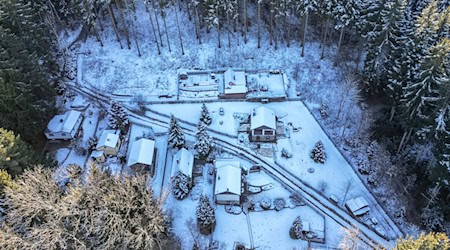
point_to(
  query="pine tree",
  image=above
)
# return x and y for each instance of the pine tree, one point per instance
(422, 97)
(26, 67)
(117, 116)
(176, 137)
(318, 153)
(431, 241)
(181, 185)
(206, 217)
(15, 154)
(346, 13)
(296, 229)
(205, 116)
(5, 181)
(204, 145)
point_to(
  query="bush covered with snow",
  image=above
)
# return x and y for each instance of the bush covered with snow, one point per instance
(285, 153)
(318, 153)
(296, 229)
(206, 218)
(265, 203)
(363, 167)
(92, 143)
(279, 204)
(372, 181)
(181, 185)
(323, 110)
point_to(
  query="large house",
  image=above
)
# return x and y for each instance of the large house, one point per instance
(142, 156)
(109, 142)
(263, 125)
(234, 84)
(228, 184)
(183, 161)
(64, 126)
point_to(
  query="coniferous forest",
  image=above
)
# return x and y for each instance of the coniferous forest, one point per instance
(401, 62)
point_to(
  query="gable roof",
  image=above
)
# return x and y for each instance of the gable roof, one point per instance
(261, 117)
(228, 178)
(64, 122)
(358, 206)
(141, 152)
(234, 82)
(183, 161)
(109, 138)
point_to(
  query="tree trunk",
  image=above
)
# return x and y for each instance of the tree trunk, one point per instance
(157, 24)
(188, 10)
(163, 15)
(218, 27)
(113, 19)
(97, 35)
(305, 26)
(178, 26)
(392, 113)
(288, 43)
(339, 45)
(245, 22)
(228, 29)
(324, 39)
(153, 28)
(271, 29)
(259, 23)
(133, 28)
(127, 36)
(197, 25)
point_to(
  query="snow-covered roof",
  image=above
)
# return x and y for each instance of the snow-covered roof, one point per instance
(141, 152)
(228, 178)
(97, 153)
(234, 82)
(64, 122)
(109, 138)
(183, 161)
(262, 116)
(358, 206)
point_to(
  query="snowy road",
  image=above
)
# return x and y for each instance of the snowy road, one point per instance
(309, 194)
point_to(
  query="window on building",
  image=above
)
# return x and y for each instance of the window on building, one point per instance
(268, 132)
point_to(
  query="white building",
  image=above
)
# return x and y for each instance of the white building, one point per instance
(64, 126)
(183, 161)
(234, 84)
(141, 156)
(228, 184)
(109, 142)
(263, 125)
(358, 206)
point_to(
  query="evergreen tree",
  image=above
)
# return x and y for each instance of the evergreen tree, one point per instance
(5, 181)
(430, 241)
(422, 97)
(181, 185)
(26, 67)
(15, 154)
(117, 116)
(204, 145)
(205, 116)
(206, 217)
(318, 153)
(381, 40)
(176, 137)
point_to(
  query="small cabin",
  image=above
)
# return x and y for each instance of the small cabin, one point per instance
(109, 142)
(234, 84)
(263, 125)
(64, 126)
(142, 156)
(228, 183)
(357, 206)
(183, 161)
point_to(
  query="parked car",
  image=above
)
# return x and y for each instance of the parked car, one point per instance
(221, 111)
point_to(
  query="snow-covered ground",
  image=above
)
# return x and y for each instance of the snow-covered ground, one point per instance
(121, 72)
